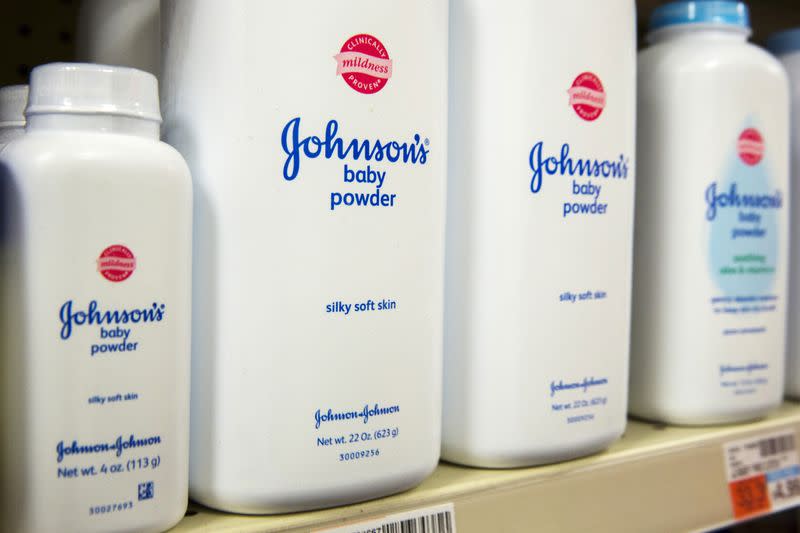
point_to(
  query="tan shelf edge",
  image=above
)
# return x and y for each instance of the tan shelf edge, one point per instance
(655, 478)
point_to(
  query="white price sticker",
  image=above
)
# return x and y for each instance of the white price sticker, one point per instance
(763, 473)
(437, 519)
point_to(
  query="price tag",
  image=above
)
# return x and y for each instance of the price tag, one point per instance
(763, 473)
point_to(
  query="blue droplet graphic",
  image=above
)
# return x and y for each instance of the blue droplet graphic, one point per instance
(743, 241)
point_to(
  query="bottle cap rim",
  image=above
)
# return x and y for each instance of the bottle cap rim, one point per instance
(705, 12)
(87, 88)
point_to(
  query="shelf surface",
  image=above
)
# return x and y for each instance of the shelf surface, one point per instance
(655, 478)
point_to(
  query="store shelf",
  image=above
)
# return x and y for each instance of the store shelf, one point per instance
(655, 478)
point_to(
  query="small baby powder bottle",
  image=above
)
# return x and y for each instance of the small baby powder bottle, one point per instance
(711, 244)
(13, 99)
(96, 241)
(786, 45)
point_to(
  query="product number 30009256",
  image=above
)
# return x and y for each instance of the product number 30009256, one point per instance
(363, 454)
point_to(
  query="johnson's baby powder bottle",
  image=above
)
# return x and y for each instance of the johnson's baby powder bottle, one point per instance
(120, 32)
(786, 45)
(13, 99)
(540, 214)
(95, 313)
(710, 298)
(315, 132)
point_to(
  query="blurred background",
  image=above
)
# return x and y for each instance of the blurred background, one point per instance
(33, 32)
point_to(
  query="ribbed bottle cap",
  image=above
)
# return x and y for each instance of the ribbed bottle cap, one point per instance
(707, 12)
(13, 100)
(86, 88)
(784, 42)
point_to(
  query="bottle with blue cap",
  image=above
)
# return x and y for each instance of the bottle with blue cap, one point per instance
(786, 46)
(95, 308)
(712, 208)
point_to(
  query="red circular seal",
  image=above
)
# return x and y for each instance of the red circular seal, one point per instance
(750, 146)
(116, 263)
(587, 96)
(364, 63)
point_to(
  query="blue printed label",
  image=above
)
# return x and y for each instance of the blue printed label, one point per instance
(578, 400)
(364, 178)
(588, 178)
(360, 441)
(741, 209)
(115, 327)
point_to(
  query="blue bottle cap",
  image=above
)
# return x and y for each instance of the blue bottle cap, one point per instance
(711, 12)
(784, 42)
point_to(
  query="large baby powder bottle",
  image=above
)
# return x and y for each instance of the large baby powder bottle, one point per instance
(120, 32)
(539, 229)
(315, 131)
(13, 99)
(712, 219)
(786, 45)
(95, 310)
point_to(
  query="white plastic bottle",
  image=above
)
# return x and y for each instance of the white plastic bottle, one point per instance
(315, 132)
(13, 99)
(786, 45)
(539, 230)
(120, 32)
(97, 231)
(708, 332)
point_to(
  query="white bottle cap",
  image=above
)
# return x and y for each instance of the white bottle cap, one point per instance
(12, 105)
(86, 88)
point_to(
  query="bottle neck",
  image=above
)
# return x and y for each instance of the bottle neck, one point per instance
(699, 32)
(123, 125)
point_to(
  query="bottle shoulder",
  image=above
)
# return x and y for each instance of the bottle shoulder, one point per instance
(59, 152)
(700, 57)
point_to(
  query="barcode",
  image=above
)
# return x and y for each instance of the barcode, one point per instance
(776, 445)
(433, 523)
(433, 519)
